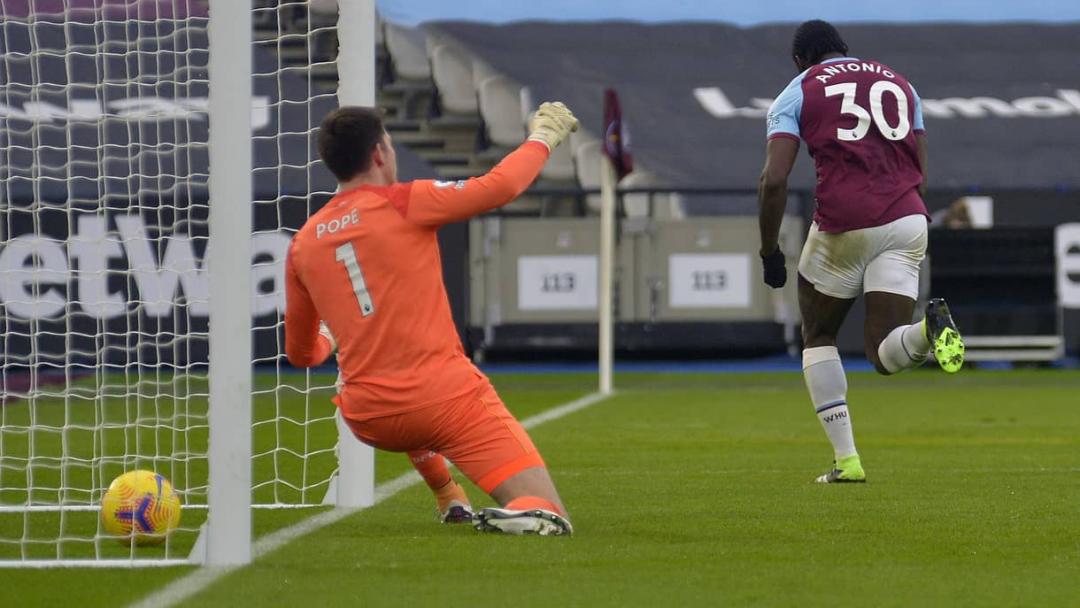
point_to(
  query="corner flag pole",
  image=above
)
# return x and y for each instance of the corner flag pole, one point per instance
(615, 164)
(607, 271)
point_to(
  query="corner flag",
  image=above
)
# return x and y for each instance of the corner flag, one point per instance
(616, 136)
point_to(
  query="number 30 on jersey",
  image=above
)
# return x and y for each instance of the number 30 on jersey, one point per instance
(876, 113)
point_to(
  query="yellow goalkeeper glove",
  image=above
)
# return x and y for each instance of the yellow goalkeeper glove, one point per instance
(552, 124)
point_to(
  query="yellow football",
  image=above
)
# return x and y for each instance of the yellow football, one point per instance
(140, 506)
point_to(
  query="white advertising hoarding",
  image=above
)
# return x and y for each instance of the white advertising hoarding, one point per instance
(709, 280)
(557, 282)
(1067, 247)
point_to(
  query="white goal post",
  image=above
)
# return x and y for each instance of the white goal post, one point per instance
(354, 485)
(228, 264)
(155, 158)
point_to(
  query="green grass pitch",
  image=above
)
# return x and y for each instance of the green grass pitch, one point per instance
(695, 490)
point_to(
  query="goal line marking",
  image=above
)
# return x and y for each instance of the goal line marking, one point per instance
(188, 585)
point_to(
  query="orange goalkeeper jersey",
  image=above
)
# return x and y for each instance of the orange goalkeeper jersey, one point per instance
(368, 265)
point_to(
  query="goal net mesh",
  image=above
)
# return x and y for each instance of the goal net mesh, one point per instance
(103, 291)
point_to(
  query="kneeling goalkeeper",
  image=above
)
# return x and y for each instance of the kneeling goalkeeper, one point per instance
(367, 266)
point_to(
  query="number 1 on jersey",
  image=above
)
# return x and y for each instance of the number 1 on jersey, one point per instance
(347, 255)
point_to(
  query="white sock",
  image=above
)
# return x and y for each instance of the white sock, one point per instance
(904, 348)
(827, 384)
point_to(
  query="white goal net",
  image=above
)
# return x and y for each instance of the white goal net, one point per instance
(104, 292)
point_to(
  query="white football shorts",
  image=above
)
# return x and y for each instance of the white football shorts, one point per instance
(882, 258)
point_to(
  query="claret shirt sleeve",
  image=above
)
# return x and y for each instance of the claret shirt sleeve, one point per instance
(783, 117)
(434, 203)
(917, 125)
(304, 346)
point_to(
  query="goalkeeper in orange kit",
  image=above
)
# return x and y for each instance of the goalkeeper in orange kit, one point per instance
(363, 277)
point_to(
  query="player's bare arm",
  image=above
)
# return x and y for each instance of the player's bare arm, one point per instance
(780, 155)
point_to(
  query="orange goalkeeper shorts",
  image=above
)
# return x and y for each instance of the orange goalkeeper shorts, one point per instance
(475, 432)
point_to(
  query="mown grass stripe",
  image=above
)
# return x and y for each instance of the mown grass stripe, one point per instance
(187, 586)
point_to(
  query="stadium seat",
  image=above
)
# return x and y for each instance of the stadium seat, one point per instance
(482, 70)
(323, 7)
(322, 25)
(499, 100)
(586, 156)
(665, 205)
(380, 31)
(434, 38)
(581, 137)
(408, 52)
(560, 166)
(451, 68)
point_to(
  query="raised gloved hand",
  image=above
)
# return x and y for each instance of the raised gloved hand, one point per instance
(552, 123)
(775, 271)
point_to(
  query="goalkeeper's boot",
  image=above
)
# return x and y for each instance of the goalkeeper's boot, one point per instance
(845, 470)
(529, 521)
(452, 505)
(940, 329)
(456, 513)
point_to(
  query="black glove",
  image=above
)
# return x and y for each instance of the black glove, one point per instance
(775, 272)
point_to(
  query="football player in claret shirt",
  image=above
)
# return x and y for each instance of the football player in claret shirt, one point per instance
(363, 277)
(862, 123)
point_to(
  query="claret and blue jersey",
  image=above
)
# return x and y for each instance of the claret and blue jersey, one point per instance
(859, 120)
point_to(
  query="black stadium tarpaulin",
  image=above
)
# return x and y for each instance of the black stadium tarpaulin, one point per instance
(103, 184)
(1002, 102)
(109, 124)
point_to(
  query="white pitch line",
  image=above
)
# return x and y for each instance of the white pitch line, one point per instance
(191, 584)
(564, 410)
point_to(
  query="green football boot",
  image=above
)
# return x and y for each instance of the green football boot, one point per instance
(940, 329)
(845, 470)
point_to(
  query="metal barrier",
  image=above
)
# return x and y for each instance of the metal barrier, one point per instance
(683, 281)
(680, 261)
(1003, 292)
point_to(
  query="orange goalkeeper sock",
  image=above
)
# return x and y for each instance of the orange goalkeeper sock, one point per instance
(432, 467)
(450, 493)
(525, 503)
